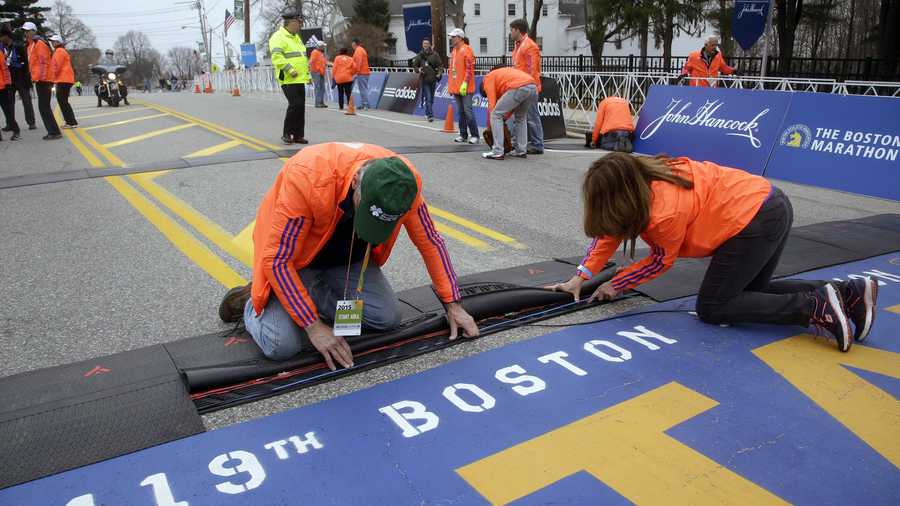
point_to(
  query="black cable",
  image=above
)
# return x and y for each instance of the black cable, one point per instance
(590, 322)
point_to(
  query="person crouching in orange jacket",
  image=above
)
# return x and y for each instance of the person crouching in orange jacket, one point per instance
(332, 207)
(64, 77)
(684, 208)
(509, 92)
(615, 123)
(703, 67)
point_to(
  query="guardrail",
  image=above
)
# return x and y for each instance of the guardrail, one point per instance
(580, 92)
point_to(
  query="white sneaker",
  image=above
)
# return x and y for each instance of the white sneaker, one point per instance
(459, 140)
(473, 140)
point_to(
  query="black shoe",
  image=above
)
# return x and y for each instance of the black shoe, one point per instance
(126, 102)
(232, 307)
(829, 314)
(15, 137)
(860, 297)
(286, 139)
(32, 127)
(301, 140)
(535, 151)
(52, 137)
(7, 129)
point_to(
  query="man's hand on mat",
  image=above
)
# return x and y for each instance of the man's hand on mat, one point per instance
(572, 286)
(458, 317)
(331, 347)
(604, 292)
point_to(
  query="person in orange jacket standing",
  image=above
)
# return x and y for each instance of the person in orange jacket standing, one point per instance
(7, 90)
(461, 84)
(41, 75)
(332, 208)
(526, 56)
(64, 76)
(615, 123)
(342, 71)
(361, 59)
(703, 67)
(509, 92)
(684, 208)
(317, 70)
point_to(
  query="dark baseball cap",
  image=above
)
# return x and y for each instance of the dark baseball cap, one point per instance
(387, 191)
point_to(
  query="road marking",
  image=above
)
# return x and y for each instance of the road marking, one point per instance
(218, 148)
(85, 152)
(244, 239)
(209, 229)
(123, 122)
(148, 135)
(171, 230)
(219, 129)
(98, 115)
(493, 234)
(462, 237)
(894, 309)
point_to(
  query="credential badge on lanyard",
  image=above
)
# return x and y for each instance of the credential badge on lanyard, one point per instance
(348, 314)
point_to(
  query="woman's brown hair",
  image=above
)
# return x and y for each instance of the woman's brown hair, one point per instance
(616, 192)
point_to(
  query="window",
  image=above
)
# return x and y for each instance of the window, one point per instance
(482, 45)
(510, 45)
(511, 9)
(540, 43)
(478, 9)
(392, 47)
(574, 45)
(545, 10)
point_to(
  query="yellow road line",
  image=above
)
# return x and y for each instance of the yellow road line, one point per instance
(462, 237)
(148, 135)
(219, 236)
(212, 127)
(122, 111)
(171, 230)
(123, 122)
(218, 148)
(215, 127)
(894, 309)
(493, 234)
(244, 239)
(85, 152)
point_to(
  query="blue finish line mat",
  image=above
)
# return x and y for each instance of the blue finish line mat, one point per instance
(652, 408)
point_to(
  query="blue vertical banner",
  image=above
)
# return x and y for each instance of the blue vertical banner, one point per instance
(749, 21)
(416, 24)
(248, 54)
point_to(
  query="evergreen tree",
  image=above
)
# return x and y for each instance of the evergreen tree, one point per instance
(19, 11)
(372, 12)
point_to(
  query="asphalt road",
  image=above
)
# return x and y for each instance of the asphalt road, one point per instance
(97, 266)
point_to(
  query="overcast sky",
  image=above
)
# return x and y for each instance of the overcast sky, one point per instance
(161, 21)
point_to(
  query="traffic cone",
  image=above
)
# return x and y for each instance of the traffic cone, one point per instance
(351, 110)
(196, 88)
(208, 88)
(448, 121)
(236, 92)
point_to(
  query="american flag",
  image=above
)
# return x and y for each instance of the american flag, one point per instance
(229, 20)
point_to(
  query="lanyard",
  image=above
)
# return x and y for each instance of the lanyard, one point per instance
(362, 271)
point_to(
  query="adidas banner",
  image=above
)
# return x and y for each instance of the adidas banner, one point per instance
(400, 92)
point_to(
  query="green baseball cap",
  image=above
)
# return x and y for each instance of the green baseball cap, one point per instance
(387, 191)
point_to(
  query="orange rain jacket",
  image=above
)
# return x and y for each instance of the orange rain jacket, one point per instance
(526, 56)
(685, 223)
(695, 67)
(462, 68)
(500, 81)
(5, 79)
(61, 67)
(361, 58)
(613, 113)
(39, 60)
(317, 62)
(300, 212)
(343, 69)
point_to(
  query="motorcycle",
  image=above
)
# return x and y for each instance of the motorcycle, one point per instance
(109, 87)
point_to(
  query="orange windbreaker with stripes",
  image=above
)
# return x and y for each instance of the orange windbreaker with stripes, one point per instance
(343, 69)
(39, 60)
(300, 212)
(526, 56)
(501, 80)
(685, 222)
(61, 67)
(317, 62)
(613, 113)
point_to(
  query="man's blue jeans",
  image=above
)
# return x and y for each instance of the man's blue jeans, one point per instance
(428, 90)
(319, 85)
(535, 129)
(466, 116)
(362, 83)
(279, 336)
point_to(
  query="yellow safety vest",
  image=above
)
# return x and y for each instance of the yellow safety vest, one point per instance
(288, 53)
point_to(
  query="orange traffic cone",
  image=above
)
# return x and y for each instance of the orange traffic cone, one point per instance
(448, 121)
(236, 92)
(196, 88)
(208, 88)
(351, 109)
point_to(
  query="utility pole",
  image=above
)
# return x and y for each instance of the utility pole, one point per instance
(246, 21)
(439, 29)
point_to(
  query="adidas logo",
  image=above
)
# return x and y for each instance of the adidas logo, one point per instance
(548, 108)
(405, 93)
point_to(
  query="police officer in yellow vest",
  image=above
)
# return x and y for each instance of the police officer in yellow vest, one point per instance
(292, 72)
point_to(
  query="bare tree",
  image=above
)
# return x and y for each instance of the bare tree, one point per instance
(61, 20)
(455, 8)
(135, 50)
(316, 13)
(532, 30)
(184, 62)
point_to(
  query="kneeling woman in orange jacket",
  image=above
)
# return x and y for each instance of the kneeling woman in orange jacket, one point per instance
(684, 208)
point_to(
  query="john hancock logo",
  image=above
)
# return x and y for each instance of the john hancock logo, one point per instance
(796, 136)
